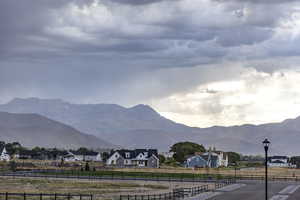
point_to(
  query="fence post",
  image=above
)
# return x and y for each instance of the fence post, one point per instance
(69, 196)
(55, 196)
(41, 196)
(80, 196)
(91, 197)
(6, 196)
(24, 196)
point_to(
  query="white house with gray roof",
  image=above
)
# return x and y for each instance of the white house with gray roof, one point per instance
(211, 159)
(4, 155)
(134, 158)
(73, 156)
(278, 161)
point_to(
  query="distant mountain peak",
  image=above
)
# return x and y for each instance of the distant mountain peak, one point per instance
(144, 109)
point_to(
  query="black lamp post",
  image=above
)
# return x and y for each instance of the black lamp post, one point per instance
(266, 144)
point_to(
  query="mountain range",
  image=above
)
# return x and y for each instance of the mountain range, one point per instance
(142, 127)
(35, 130)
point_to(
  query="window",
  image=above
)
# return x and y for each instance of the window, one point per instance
(127, 154)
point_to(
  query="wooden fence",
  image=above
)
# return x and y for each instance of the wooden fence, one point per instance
(179, 193)
(78, 175)
(43, 196)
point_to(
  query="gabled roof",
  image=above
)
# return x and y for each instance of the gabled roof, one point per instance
(1, 149)
(197, 158)
(278, 157)
(134, 153)
(88, 153)
(278, 161)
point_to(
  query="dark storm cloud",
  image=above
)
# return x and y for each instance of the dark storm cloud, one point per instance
(103, 49)
(260, 1)
(137, 2)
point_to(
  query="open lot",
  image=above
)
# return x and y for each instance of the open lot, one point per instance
(230, 172)
(99, 189)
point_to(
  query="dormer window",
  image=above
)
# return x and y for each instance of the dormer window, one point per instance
(127, 155)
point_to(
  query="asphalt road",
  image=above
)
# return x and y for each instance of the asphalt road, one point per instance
(255, 190)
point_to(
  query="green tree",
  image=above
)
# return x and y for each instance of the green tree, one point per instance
(105, 156)
(83, 151)
(2, 144)
(161, 158)
(295, 160)
(233, 157)
(171, 162)
(183, 149)
(36, 149)
(87, 166)
(12, 148)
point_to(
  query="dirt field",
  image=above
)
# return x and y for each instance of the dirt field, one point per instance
(100, 189)
(279, 172)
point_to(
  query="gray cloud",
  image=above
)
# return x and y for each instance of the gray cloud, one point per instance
(115, 51)
(138, 2)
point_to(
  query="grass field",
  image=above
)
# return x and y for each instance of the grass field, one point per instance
(221, 172)
(100, 189)
(186, 173)
(175, 172)
(134, 174)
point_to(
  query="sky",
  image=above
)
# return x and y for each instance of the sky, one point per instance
(198, 62)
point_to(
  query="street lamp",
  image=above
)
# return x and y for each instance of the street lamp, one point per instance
(266, 144)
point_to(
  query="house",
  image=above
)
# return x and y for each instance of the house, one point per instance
(134, 158)
(216, 159)
(69, 157)
(196, 162)
(211, 159)
(40, 154)
(24, 154)
(278, 161)
(83, 156)
(4, 155)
